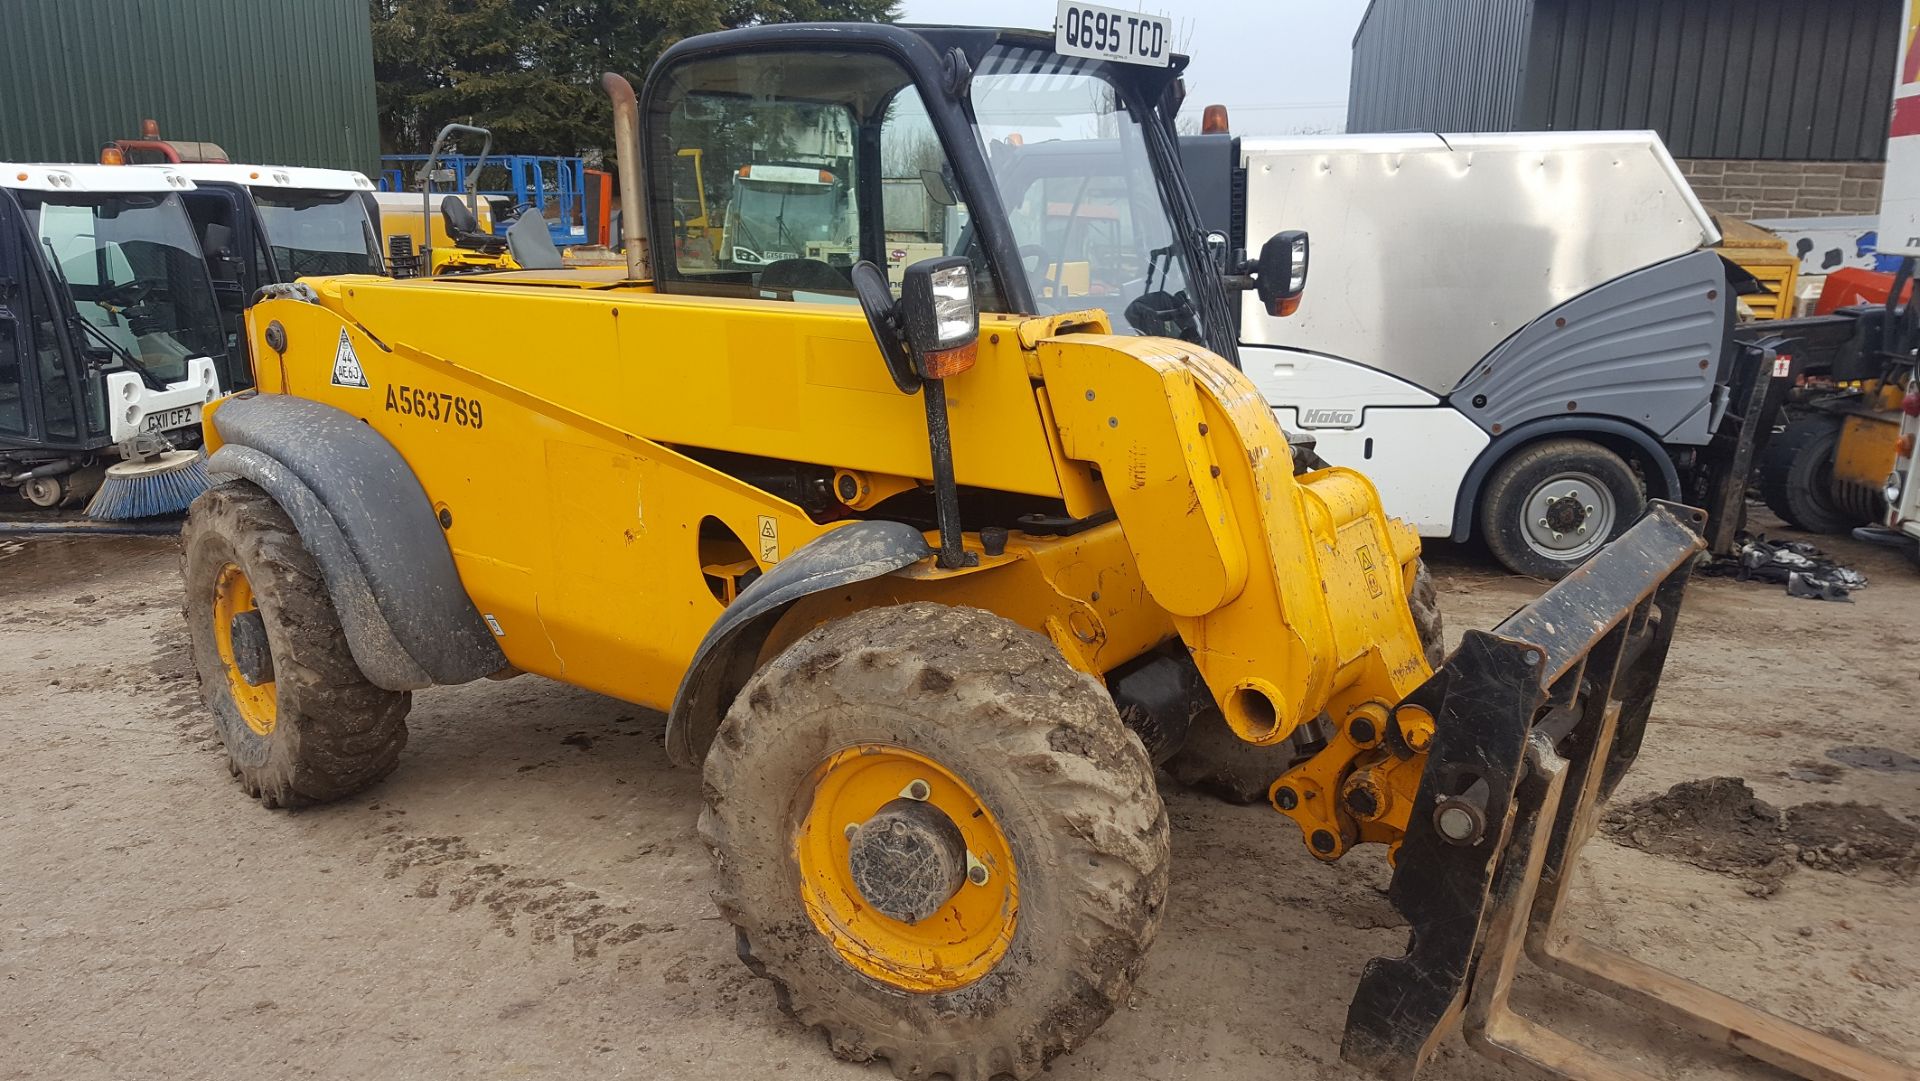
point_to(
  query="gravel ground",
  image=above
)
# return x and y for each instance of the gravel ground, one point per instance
(526, 896)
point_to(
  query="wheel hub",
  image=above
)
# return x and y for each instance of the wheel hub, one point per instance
(1569, 516)
(248, 633)
(907, 860)
(904, 869)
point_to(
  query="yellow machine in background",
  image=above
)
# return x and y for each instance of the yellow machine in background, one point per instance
(927, 576)
(402, 219)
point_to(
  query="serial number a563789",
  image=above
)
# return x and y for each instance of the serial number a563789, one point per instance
(434, 405)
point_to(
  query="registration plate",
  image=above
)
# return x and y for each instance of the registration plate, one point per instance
(168, 419)
(1131, 37)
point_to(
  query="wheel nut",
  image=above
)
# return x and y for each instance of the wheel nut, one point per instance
(918, 790)
(977, 874)
(852, 828)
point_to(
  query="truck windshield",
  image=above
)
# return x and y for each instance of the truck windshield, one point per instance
(133, 269)
(1070, 160)
(317, 232)
(773, 221)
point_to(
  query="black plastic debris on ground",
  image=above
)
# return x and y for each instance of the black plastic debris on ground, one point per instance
(1803, 569)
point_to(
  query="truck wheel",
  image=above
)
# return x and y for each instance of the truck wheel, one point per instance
(937, 840)
(1796, 476)
(1546, 509)
(1215, 761)
(300, 722)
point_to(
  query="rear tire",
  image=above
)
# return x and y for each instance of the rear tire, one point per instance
(1064, 793)
(1796, 476)
(1548, 508)
(316, 730)
(1215, 761)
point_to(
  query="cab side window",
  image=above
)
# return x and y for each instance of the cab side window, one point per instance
(922, 214)
(761, 177)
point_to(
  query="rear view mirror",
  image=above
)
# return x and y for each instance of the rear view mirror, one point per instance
(1281, 272)
(937, 187)
(876, 300)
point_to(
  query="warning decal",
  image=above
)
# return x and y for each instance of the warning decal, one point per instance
(769, 539)
(346, 364)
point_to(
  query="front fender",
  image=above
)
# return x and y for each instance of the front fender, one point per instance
(369, 524)
(725, 659)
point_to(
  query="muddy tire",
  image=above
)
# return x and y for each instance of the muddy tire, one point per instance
(313, 729)
(1068, 822)
(1215, 761)
(1795, 476)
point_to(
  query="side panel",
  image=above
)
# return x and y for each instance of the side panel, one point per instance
(1416, 458)
(802, 382)
(583, 545)
(1645, 348)
(1313, 382)
(1430, 250)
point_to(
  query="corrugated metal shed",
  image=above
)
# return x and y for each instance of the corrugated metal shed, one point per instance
(1772, 79)
(284, 82)
(1437, 65)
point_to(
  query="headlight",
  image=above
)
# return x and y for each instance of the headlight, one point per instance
(955, 318)
(938, 312)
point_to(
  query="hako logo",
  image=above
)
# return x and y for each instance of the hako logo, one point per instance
(1328, 418)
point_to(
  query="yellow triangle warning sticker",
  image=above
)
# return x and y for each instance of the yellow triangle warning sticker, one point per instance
(346, 364)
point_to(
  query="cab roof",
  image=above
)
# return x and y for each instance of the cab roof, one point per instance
(272, 176)
(102, 179)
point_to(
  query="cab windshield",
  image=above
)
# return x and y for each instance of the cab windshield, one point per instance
(317, 232)
(770, 220)
(133, 268)
(1070, 161)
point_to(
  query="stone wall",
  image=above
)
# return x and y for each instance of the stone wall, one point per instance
(1785, 189)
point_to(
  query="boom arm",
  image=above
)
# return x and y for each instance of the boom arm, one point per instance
(1290, 592)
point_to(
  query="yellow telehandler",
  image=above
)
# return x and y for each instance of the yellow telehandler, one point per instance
(927, 577)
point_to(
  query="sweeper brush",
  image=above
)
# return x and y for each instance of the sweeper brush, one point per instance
(164, 483)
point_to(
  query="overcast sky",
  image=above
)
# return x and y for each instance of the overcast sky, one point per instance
(1280, 66)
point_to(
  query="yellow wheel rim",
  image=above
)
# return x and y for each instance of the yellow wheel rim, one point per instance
(232, 595)
(951, 948)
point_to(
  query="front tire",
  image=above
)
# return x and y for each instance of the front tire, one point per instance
(1000, 765)
(301, 724)
(1551, 506)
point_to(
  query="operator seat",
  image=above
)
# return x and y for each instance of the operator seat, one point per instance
(464, 228)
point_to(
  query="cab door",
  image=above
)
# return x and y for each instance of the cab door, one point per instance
(46, 402)
(234, 247)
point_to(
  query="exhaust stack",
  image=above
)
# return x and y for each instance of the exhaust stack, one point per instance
(626, 148)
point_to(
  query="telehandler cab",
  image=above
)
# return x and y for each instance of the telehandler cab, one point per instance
(926, 651)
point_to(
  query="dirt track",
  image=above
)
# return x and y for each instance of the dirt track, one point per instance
(526, 896)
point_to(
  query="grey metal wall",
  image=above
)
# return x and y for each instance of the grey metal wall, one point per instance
(1780, 79)
(1437, 65)
(284, 82)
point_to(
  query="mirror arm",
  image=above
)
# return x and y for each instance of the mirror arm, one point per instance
(946, 491)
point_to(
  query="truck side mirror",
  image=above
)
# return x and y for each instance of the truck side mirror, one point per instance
(883, 318)
(1281, 272)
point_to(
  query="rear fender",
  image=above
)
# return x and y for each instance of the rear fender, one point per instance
(727, 655)
(367, 521)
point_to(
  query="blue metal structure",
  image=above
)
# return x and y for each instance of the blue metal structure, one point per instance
(534, 184)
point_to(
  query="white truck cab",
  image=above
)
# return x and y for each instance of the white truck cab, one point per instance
(110, 334)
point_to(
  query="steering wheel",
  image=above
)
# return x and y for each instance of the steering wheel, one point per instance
(1034, 251)
(126, 294)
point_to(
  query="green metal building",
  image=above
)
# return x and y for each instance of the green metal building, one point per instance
(280, 82)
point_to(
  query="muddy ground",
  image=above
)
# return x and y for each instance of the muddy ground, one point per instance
(526, 896)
